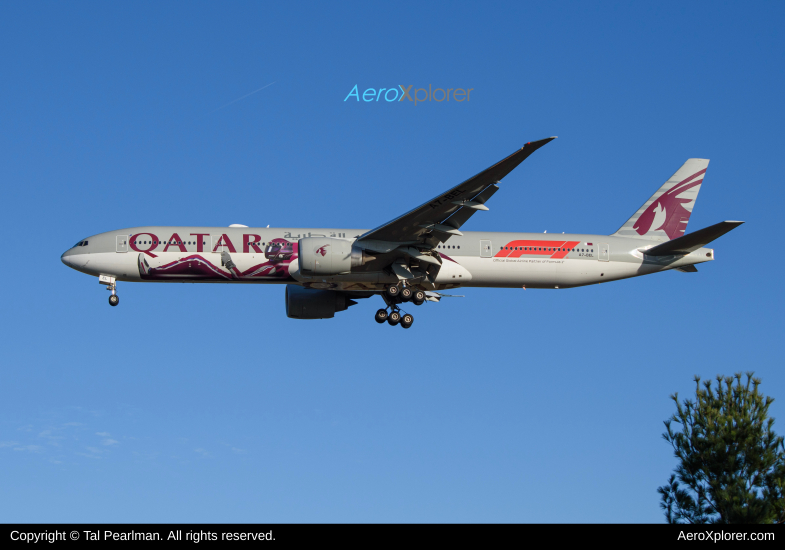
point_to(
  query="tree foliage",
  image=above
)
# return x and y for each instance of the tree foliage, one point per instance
(731, 463)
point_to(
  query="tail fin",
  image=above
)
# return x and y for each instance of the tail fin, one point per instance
(665, 215)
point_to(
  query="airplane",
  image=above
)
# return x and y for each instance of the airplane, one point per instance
(413, 258)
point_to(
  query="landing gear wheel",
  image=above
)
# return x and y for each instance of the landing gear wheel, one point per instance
(394, 318)
(381, 316)
(114, 299)
(407, 320)
(406, 294)
(393, 291)
(418, 297)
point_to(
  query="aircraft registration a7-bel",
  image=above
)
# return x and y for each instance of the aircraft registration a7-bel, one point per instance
(412, 258)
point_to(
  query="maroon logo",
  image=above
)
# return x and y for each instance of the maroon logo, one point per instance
(667, 212)
(322, 250)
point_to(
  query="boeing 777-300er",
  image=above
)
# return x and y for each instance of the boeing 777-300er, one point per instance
(412, 258)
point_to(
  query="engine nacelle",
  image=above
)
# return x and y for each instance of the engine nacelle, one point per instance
(309, 303)
(326, 256)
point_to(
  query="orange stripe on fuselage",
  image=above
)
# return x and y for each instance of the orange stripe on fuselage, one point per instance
(537, 248)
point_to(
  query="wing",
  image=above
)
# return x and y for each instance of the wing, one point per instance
(440, 218)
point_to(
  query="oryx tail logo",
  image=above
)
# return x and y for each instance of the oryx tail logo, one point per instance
(420, 95)
(322, 250)
(667, 213)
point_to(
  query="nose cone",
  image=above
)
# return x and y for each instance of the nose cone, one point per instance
(68, 257)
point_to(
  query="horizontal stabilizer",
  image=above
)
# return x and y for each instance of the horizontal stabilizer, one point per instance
(693, 241)
(687, 269)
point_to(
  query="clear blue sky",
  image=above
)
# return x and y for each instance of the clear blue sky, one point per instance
(205, 403)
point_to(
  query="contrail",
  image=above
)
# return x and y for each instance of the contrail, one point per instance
(239, 98)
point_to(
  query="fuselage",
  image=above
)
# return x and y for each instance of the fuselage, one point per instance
(270, 256)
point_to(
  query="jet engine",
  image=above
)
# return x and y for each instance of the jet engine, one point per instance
(326, 256)
(308, 303)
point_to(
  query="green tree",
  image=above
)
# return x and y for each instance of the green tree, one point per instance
(731, 463)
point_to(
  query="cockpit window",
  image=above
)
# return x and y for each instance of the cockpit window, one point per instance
(78, 244)
(84, 243)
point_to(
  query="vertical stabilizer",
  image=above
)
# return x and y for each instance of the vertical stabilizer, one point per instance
(665, 215)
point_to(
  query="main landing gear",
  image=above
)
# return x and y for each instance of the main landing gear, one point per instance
(394, 295)
(394, 317)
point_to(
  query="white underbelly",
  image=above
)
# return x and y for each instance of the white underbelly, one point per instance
(546, 273)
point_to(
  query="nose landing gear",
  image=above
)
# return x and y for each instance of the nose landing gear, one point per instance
(111, 285)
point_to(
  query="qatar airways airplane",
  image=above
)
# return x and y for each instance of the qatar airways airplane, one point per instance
(412, 258)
